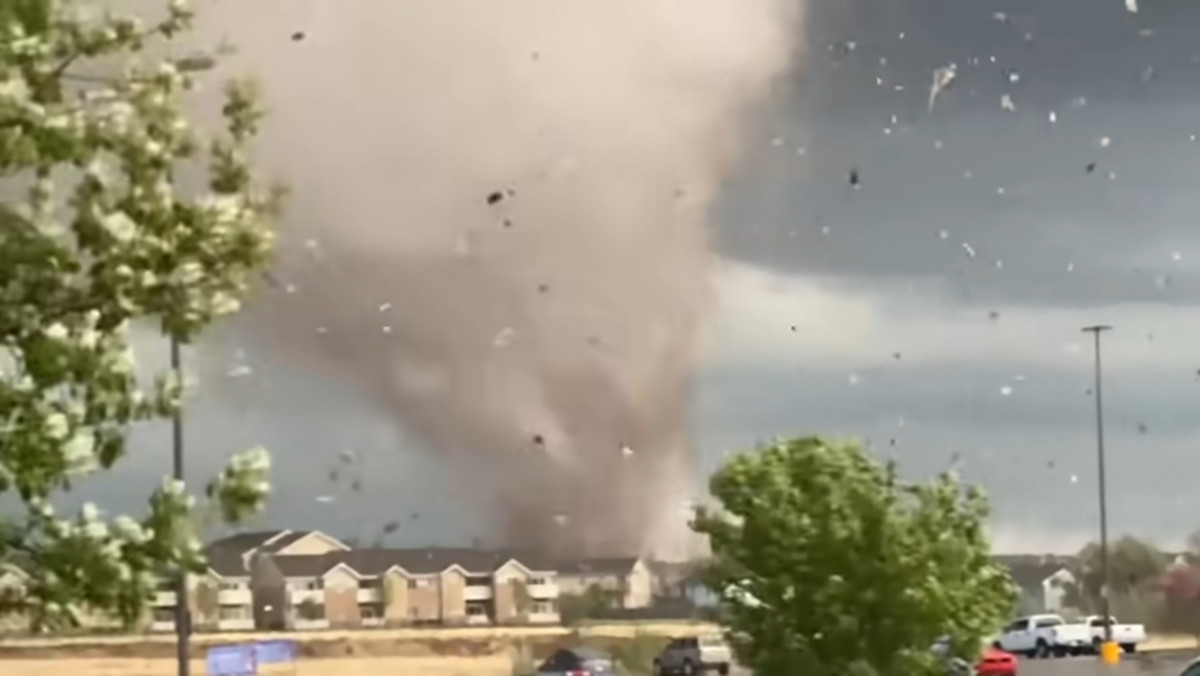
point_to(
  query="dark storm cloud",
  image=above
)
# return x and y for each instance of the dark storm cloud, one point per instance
(1013, 186)
(1067, 239)
(1033, 449)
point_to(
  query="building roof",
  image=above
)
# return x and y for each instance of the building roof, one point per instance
(597, 566)
(226, 555)
(429, 561)
(1030, 570)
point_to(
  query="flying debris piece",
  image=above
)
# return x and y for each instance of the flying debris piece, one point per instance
(356, 486)
(969, 249)
(1053, 117)
(298, 36)
(539, 440)
(391, 527)
(854, 179)
(896, 356)
(626, 451)
(497, 196)
(1000, 16)
(1131, 6)
(943, 78)
(1006, 390)
(325, 499)
(561, 519)
(1142, 429)
(1006, 103)
(993, 315)
(1147, 74)
(348, 456)
(1105, 141)
(239, 371)
(1091, 167)
(504, 337)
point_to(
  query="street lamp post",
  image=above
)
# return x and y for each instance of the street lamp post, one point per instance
(183, 623)
(1108, 652)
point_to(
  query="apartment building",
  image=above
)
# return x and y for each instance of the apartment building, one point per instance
(309, 580)
(222, 599)
(373, 587)
(629, 578)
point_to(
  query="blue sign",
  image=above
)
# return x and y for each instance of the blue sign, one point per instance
(276, 652)
(231, 660)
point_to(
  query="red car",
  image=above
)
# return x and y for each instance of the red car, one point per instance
(996, 663)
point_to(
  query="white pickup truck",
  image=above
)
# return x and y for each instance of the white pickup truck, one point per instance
(1044, 636)
(1128, 636)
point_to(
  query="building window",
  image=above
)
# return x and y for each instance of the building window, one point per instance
(418, 584)
(314, 584)
(368, 583)
(477, 610)
(164, 614)
(541, 607)
(231, 586)
(479, 581)
(536, 581)
(234, 612)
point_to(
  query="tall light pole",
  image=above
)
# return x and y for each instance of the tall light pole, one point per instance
(183, 624)
(1104, 607)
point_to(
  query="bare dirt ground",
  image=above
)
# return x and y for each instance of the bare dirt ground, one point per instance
(484, 651)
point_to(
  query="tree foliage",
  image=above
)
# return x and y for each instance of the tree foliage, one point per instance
(1133, 564)
(830, 564)
(95, 236)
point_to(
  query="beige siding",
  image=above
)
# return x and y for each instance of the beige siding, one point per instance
(313, 543)
(341, 598)
(396, 598)
(639, 587)
(424, 599)
(453, 607)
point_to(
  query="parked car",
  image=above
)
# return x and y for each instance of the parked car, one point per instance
(694, 655)
(1128, 636)
(578, 662)
(996, 663)
(1192, 669)
(1044, 636)
(993, 662)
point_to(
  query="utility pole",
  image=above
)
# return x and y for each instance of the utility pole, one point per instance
(1108, 651)
(183, 616)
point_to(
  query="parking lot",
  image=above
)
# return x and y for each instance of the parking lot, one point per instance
(1149, 664)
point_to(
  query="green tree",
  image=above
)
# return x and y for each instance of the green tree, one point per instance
(207, 602)
(96, 236)
(830, 564)
(1134, 565)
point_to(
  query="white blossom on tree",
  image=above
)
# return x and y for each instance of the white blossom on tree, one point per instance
(96, 234)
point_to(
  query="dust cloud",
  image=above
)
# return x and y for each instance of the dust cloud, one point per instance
(497, 232)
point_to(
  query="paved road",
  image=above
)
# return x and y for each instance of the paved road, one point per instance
(1149, 664)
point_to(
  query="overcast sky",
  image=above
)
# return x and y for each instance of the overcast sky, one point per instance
(934, 310)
